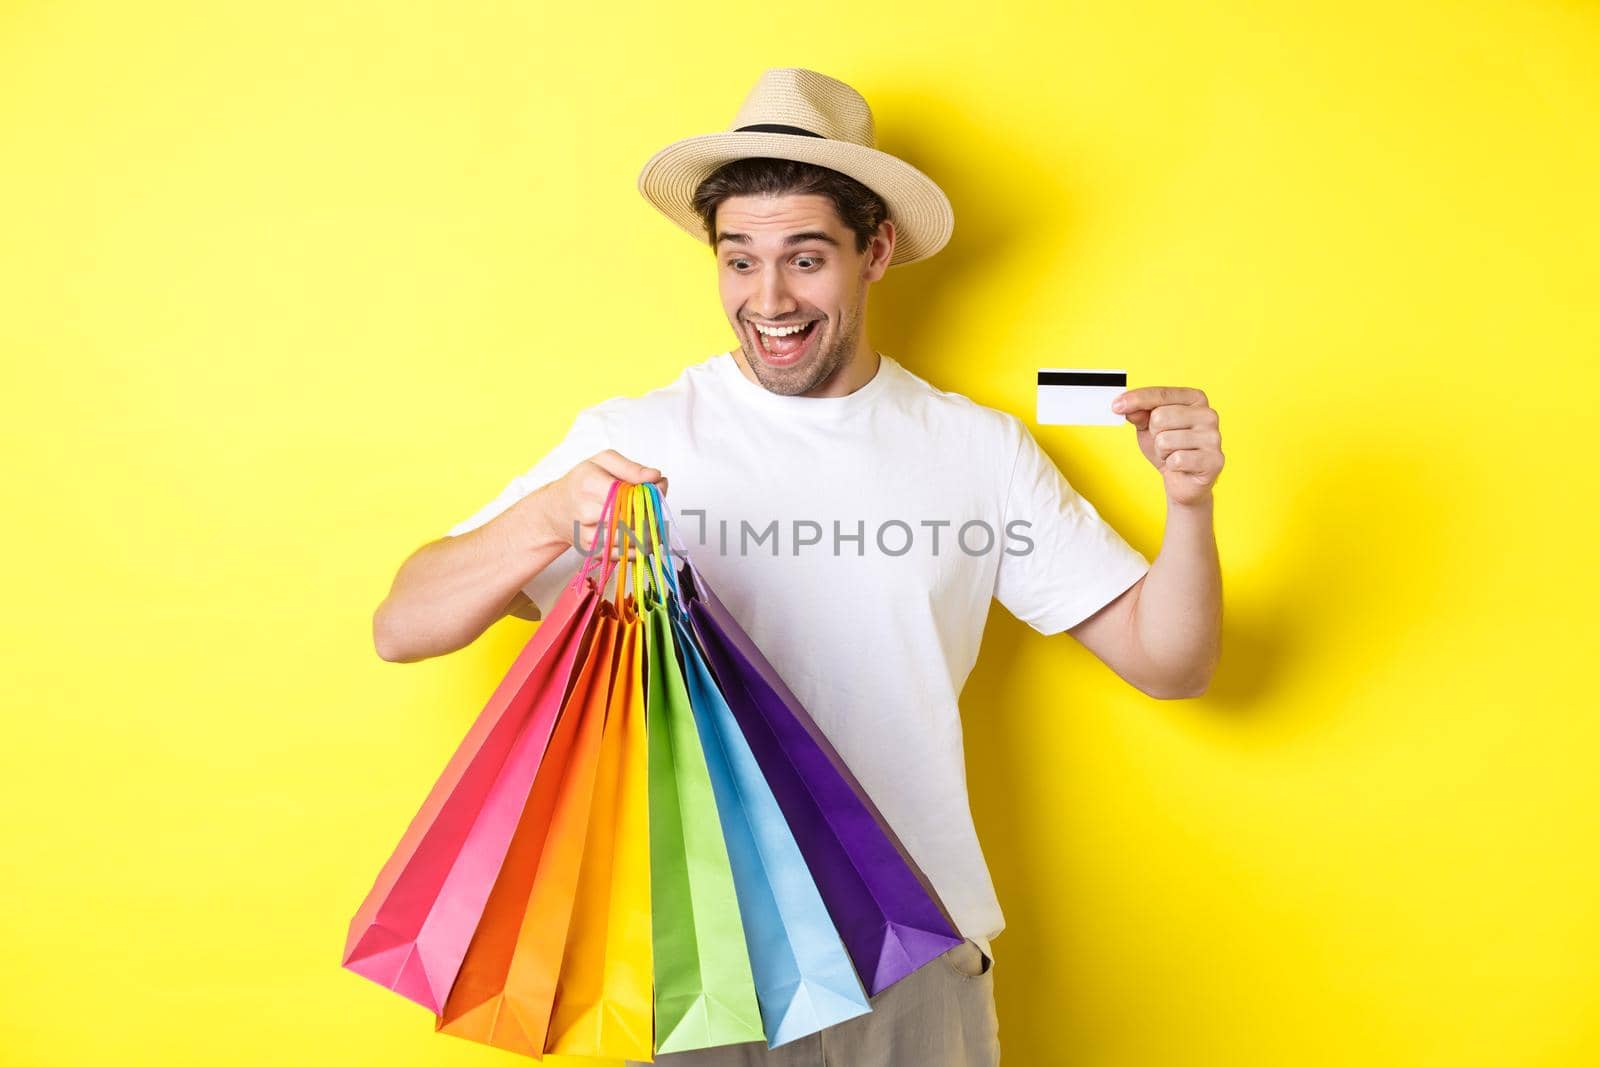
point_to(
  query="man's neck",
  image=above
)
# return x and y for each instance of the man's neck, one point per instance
(861, 369)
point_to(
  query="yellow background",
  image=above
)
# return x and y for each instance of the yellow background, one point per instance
(287, 289)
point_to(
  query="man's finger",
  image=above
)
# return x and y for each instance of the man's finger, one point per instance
(617, 465)
(1153, 396)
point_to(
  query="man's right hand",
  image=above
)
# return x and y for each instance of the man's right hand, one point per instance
(449, 591)
(580, 495)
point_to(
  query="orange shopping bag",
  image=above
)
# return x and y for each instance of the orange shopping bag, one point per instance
(412, 930)
(604, 1004)
(505, 992)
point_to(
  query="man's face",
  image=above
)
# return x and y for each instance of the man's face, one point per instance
(787, 261)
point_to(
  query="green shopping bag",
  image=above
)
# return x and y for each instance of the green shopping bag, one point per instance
(705, 992)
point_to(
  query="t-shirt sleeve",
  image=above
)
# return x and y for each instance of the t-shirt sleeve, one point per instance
(1077, 563)
(583, 439)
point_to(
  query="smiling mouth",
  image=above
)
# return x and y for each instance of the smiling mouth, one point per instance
(788, 349)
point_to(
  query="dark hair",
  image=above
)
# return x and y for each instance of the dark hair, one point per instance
(859, 208)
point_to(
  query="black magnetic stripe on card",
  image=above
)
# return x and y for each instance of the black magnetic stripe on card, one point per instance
(1082, 377)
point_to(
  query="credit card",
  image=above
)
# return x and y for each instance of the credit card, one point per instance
(1080, 397)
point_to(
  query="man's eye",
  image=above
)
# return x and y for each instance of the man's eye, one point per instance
(737, 264)
(802, 261)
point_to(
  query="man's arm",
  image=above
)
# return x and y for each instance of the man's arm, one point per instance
(1164, 634)
(451, 590)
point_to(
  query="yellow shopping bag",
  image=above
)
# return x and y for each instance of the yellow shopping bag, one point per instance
(604, 1003)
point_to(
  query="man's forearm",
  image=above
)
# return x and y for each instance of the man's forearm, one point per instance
(453, 589)
(1178, 616)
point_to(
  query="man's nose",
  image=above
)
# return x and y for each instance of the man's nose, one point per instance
(773, 299)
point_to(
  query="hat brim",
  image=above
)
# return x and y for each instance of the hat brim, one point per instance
(921, 213)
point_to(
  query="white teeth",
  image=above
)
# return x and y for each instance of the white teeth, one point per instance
(784, 332)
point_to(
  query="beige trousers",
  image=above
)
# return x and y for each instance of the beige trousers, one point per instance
(940, 1015)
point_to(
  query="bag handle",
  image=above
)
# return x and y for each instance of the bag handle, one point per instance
(638, 567)
(658, 548)
(649, 554)
(641, 572)
(597, 559)
(627, 568)
(669, 530)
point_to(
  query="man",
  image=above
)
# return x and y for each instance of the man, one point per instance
(855, 519)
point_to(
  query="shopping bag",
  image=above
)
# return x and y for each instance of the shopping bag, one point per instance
(803, 974)
(882, 904)
(411, 932)
(604, 995)
(504, 993)
(704, 989)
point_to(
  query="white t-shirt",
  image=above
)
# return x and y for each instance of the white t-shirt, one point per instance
(817, 522)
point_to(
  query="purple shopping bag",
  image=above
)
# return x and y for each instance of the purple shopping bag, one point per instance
(885, 909)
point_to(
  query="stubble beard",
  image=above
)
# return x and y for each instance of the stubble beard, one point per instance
(804, 377)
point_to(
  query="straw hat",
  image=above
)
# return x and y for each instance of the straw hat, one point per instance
(799, 114)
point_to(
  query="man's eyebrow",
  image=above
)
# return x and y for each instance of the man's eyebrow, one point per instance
(793, 239)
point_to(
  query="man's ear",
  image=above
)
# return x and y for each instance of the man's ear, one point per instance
(879, 252)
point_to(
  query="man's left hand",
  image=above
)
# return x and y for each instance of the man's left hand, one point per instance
(1178, 435)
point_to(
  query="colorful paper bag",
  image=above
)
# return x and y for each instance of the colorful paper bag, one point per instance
(604, 999)
(505, 991)
(803, 974)
(882, 904)
(411, 932)
(705, 991)
(804, 978)
(504, 994)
